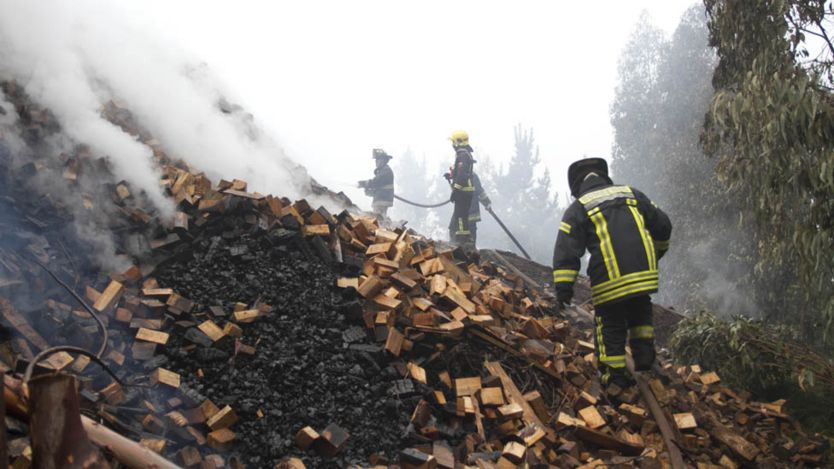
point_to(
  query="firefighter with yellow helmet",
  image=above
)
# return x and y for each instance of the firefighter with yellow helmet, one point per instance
(460, 178)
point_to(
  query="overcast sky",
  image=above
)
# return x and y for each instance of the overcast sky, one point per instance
(334, 79)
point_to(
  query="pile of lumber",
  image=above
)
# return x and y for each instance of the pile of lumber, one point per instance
(501, 378)
(419, 298)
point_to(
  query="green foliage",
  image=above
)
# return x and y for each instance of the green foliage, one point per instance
(763, 359)
(663, 93)
(771, 125)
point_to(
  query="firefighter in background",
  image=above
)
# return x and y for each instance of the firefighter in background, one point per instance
(381, 187)
(626, 234)
(478, 198)
(463, 189)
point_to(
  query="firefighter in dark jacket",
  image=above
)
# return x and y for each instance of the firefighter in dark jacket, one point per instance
(626, 234)
(478, 198)
(381, 187)
(463, 189)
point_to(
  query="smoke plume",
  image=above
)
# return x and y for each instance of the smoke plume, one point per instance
(74, 57)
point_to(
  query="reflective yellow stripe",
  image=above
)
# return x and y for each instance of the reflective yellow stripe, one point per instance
(389, 186)
(565, 275)
(565, 227)
(641, 332)
(605, 246)
(650, 285)
(616, 361)
(647, 239)
(595, 198)
(622, 281)
(662, 245)
(463, 188)
(462, 228)
(600, 343)
(474, 218)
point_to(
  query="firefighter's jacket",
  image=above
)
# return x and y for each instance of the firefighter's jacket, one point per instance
(479, 198)
(462, 171)
(381, 187)
(625, 234)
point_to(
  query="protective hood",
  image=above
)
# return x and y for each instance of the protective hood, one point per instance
(579, 169)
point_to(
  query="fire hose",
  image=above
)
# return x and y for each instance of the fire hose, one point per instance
(421, 205)
(489, 209)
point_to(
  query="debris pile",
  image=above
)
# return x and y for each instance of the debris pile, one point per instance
(256, 328)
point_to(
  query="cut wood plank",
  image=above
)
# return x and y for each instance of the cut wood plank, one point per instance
(537, 403)
(225, 418)
(492, 396)
(109, 297)
(592, 417)
(417, 372)
(394, 341)
(566, 420)
(232, 330)
(221, 439)
(438, 285)
(346, 282)
(149, 335)
(467, 386)
(246, 315)
(212, 330)
(512, 410)
(709, 378)
(685, 421)
(167, 377)
(387, 302)
(316, 230)
(514, 452)
(157, 291)
(305, 438)
(371, 286)
(459, 299)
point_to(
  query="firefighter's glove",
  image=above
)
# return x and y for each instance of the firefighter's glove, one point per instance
(448, 177)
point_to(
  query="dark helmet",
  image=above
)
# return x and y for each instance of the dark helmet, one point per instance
(380, 153)
(579, 169)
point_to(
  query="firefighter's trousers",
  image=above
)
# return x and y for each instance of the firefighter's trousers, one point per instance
(460, 217)
(473, 230)
(615, 322)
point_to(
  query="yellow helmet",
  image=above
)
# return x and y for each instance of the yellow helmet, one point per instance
(459, 138)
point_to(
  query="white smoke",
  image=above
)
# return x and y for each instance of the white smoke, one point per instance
(73, 57)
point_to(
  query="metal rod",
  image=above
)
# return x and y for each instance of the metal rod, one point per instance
(506, 230)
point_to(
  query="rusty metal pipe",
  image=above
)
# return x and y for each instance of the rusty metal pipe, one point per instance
(128, 452)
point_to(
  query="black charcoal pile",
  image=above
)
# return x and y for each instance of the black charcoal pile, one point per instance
(314, 364)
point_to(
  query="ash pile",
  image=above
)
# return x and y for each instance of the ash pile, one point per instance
(256, 331)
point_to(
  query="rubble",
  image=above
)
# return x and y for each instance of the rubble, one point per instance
(259, 332)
